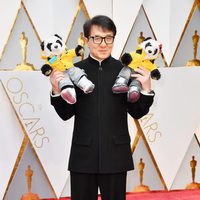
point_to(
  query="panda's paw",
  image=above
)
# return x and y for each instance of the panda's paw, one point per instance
(86, 85)
(46, 69)
(155, 74)
(133, 94)
(69, 95)
(126, 59)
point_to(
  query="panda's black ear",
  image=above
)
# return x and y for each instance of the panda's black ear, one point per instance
(148, 38)
(152, 61)
(42, 46)
(139, 51)
(58, 36)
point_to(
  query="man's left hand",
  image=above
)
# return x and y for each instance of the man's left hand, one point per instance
(143, 76)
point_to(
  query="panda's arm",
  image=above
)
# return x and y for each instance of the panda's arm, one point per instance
(126, 58)
(79, 50)
(71, 53)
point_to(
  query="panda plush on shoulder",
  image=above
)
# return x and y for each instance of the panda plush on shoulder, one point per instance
(58, 57)
(145, 55)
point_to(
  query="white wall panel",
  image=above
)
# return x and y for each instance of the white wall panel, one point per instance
(172, 119)
(185, 50)
(184, 175)
(131, 128)
(158, 13)
(49, 135)
(66, 191)
(50, 17)
(140, 25)
(11, 140)
(13, 51)
(177, 22)
(96, 7)
(39, 184)
(125, 13)
(167, 22)
(197, 132)
(8, 10)
(75, 32)
(149, 170)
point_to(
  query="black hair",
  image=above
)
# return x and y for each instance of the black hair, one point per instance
(100, 20)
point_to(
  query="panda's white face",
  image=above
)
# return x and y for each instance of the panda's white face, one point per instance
(152, 48)
(53, 46)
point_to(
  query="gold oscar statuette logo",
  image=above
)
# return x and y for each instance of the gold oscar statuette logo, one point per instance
(193, 184)
(29, 195)
(141, 38)
(141, 187)
(81, 42)
(195, 61)
(24, 66)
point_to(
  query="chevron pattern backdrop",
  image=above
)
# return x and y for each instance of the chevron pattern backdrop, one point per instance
(31, 132)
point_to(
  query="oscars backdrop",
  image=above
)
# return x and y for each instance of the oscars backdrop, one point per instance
(32, 133)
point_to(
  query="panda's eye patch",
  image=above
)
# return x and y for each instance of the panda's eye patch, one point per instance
(59, 42)
(148, 44)
(49, 46)
(155, 52)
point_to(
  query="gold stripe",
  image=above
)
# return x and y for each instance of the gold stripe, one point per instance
(198, 4)
(129, 35)
(197, 139)
(22, 148)
(10, 70)
(186, 24)
(6, 70)
(26, 135)
(73, 22)
(162, 55)
(184, 156)
(32, 24)
(2, 53)
(21, 152)
(135, 142)
(49, 182)
(163, 58)
(81, 6)
(151, 154)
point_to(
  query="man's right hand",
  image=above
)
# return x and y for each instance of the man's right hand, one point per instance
(55, 78)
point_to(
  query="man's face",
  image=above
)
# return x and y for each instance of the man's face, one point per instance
(103, 50)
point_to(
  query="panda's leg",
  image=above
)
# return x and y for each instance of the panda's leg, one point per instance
(134, 90)
(121, 83)
(79, 78)
(68, 92)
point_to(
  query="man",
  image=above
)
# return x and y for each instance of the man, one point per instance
(100, 152)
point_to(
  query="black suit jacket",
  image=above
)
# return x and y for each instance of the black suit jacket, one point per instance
(101, 142)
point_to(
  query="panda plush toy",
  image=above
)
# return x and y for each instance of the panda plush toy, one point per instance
(57, 57)
(145, 55)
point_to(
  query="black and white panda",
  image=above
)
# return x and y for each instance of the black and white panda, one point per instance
(144, 56)
(53, 46)
(59, 58)
(151, 47)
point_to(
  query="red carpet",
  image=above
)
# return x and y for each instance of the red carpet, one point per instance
(160, 195)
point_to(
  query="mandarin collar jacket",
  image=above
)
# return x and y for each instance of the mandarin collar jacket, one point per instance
(101, 141)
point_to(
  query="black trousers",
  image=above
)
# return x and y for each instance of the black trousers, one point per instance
(85, 186)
